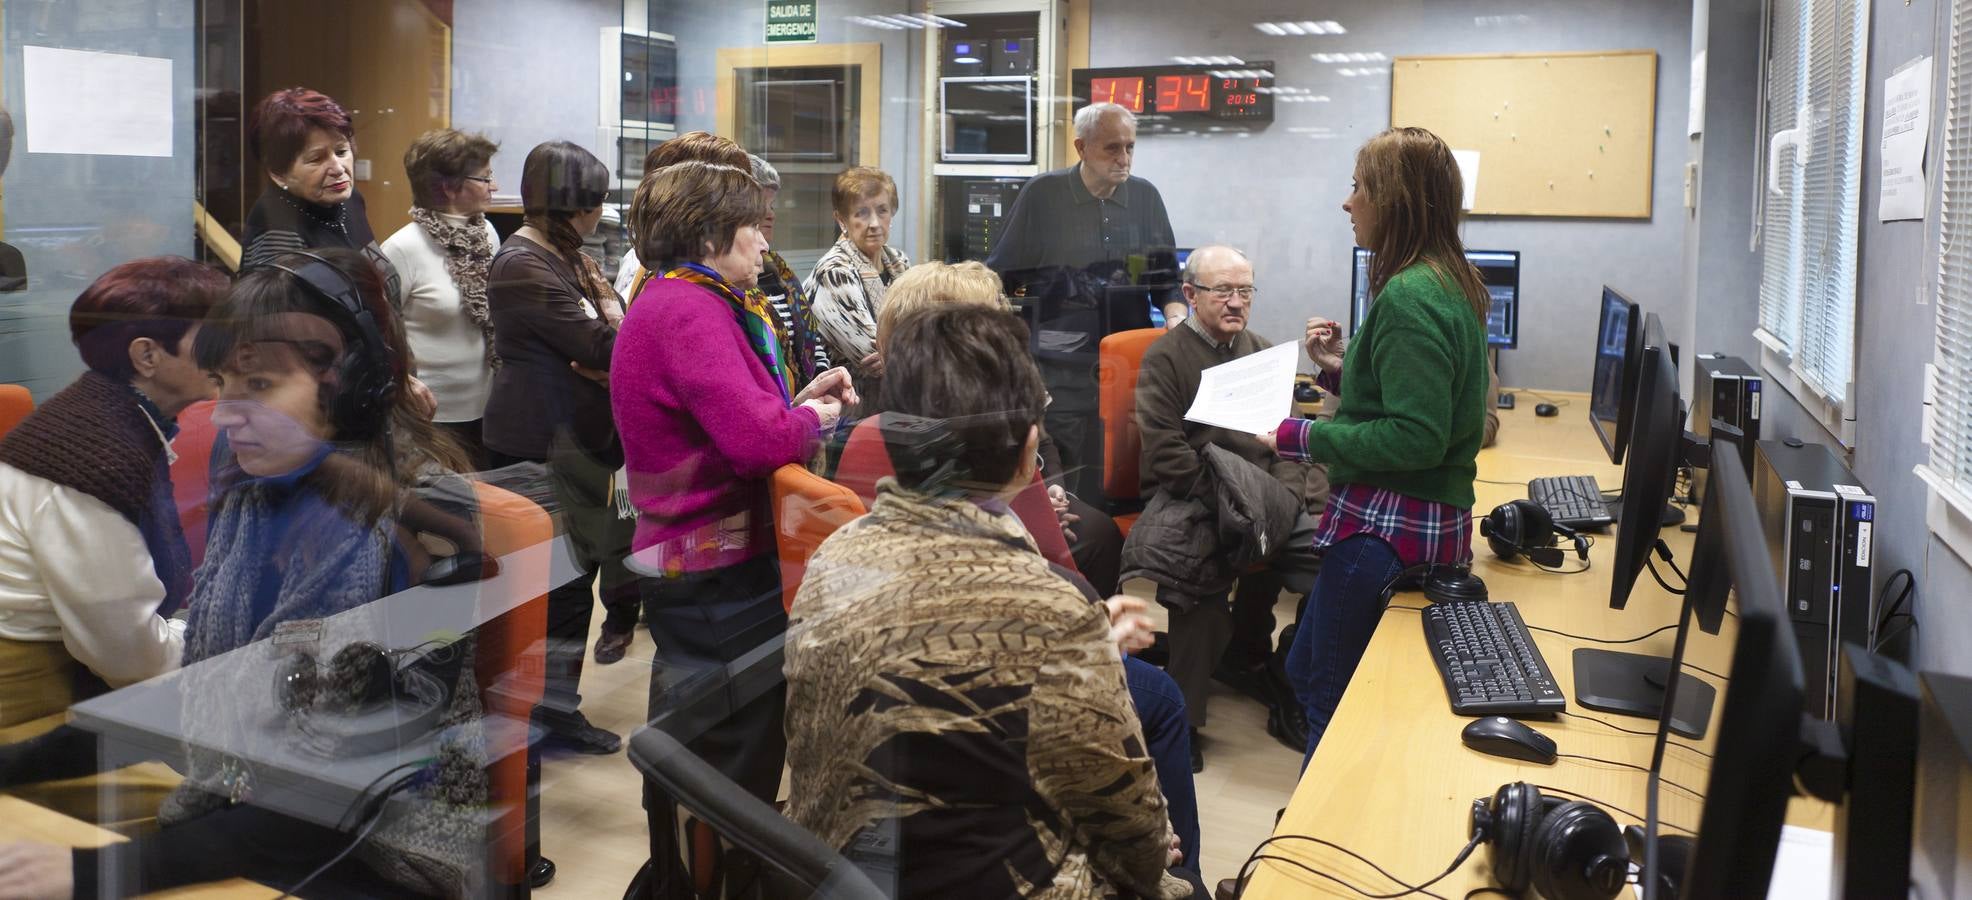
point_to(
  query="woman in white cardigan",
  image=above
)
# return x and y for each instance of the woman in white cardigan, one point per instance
(443, 257)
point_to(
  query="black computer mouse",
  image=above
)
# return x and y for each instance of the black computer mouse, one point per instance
(1546, 410)
(1501, 736)
(463, 567)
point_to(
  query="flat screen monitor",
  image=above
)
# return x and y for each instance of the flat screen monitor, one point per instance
(1499, 268)
(1634, 683)
(1733, 823)
(987, 118)
(1618, 356)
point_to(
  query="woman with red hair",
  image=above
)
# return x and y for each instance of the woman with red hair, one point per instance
(306, 143)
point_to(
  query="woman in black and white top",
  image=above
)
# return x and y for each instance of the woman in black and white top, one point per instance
(846, 288)
(443, 257)
(306, 142)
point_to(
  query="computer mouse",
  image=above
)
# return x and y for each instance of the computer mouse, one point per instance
(1501, 736)
(1546, 410)
(461, 568)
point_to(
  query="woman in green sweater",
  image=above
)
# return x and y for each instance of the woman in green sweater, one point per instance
(1401, 449)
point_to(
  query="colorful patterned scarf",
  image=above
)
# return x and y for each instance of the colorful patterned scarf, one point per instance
(754, 317)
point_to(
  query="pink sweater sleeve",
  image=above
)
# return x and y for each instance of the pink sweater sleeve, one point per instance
(691, 347)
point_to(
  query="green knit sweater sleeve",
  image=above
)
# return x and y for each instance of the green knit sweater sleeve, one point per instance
(1411, 415)
(1408, 360)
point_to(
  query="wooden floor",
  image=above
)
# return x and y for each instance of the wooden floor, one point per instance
(592, 818)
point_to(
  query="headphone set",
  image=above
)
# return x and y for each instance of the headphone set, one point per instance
(1562, 849)
(368, 375)
(1524, 528)
(1440, 584)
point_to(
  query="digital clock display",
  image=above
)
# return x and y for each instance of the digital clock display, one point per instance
(1173, 97)
(1124, 92)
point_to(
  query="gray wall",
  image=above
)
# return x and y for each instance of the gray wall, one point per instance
(1278, 193)
(525, 71)
(75, 217)
(704, 26)
(1894, 328)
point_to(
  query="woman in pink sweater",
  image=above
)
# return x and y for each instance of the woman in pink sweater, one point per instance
(708, 410)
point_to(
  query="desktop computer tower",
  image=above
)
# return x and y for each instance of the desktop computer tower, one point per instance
(1725, 389)
(1819, 523)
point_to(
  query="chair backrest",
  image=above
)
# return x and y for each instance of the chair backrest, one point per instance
(15, 403)
(865, 461)
(192, 471)
(736, 817)
(807, 509)
(1122, 447)
(510, 666)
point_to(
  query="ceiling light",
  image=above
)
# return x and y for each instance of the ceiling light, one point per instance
(941, 21)
(1346, 73)
(1293, 28)
(1270, 28)
(868, 22)
(1228, 61)
(900, 20)
(1330, 26)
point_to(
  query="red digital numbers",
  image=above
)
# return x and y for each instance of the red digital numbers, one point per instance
(1125, 92)
(1184, 93)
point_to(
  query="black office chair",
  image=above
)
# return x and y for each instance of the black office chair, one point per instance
(778, 858)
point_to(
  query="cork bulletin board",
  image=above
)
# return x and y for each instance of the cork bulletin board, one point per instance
(1557, 134)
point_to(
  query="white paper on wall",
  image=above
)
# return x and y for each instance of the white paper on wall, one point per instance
(102, 104)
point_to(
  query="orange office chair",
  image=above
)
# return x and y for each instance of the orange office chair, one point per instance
(865, 461)
(807, 509)
(15, 404)
(1122, 447)
(192, 471)
(511, 667)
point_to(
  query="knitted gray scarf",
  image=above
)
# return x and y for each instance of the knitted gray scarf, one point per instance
(468, 257)
(330, 576)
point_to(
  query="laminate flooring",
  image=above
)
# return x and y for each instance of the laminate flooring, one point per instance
(592, 818)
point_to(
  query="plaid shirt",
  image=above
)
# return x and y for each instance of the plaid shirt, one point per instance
(1420, 531)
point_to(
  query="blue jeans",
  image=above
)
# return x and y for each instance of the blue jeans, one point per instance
(1342, 612)
(1161, 709)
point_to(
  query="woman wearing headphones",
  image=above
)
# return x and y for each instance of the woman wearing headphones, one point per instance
(309, 520)
(1402, 446)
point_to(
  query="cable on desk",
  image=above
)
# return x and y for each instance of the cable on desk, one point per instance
(1544, 398)
(1518, 484)
(1698, 668)
(1579, 796)
(1415, 609)
(375, 818)
(1245, 870)
(1651, 564)
(1582, 637)
(1641, 733)
(1895, 608)
(1475, 892)
(1644, 769)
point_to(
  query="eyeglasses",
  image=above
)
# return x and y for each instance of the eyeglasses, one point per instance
(1225, 291)
(482, 179)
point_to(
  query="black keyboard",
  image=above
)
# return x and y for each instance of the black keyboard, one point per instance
(1488, 660)
(1572, 500)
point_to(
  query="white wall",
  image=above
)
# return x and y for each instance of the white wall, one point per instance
(525, 72)
(1278, 193)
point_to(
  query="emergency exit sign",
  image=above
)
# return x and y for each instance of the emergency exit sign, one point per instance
(790, 23)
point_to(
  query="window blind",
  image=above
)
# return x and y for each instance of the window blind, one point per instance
(1817, 60)
(1951, 437)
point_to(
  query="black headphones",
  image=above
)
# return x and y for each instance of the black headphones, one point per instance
(1562, 849)
(360, 675)
(1525, 528)
(368, 376)
(1440, 584)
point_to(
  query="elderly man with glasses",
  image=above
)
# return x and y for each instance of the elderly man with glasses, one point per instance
(1207, 631)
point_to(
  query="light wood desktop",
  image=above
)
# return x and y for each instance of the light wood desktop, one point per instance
(24, 821)
(1392, 779)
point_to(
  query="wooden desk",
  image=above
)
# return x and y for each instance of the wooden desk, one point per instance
(24, 821)
(1392, 780)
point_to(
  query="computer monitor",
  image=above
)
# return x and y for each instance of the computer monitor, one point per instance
(1500, 269)
(1618, 356)
(1739, 815)
(1633, 683)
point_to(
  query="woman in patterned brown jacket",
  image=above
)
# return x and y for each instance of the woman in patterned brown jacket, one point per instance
(945, 688)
